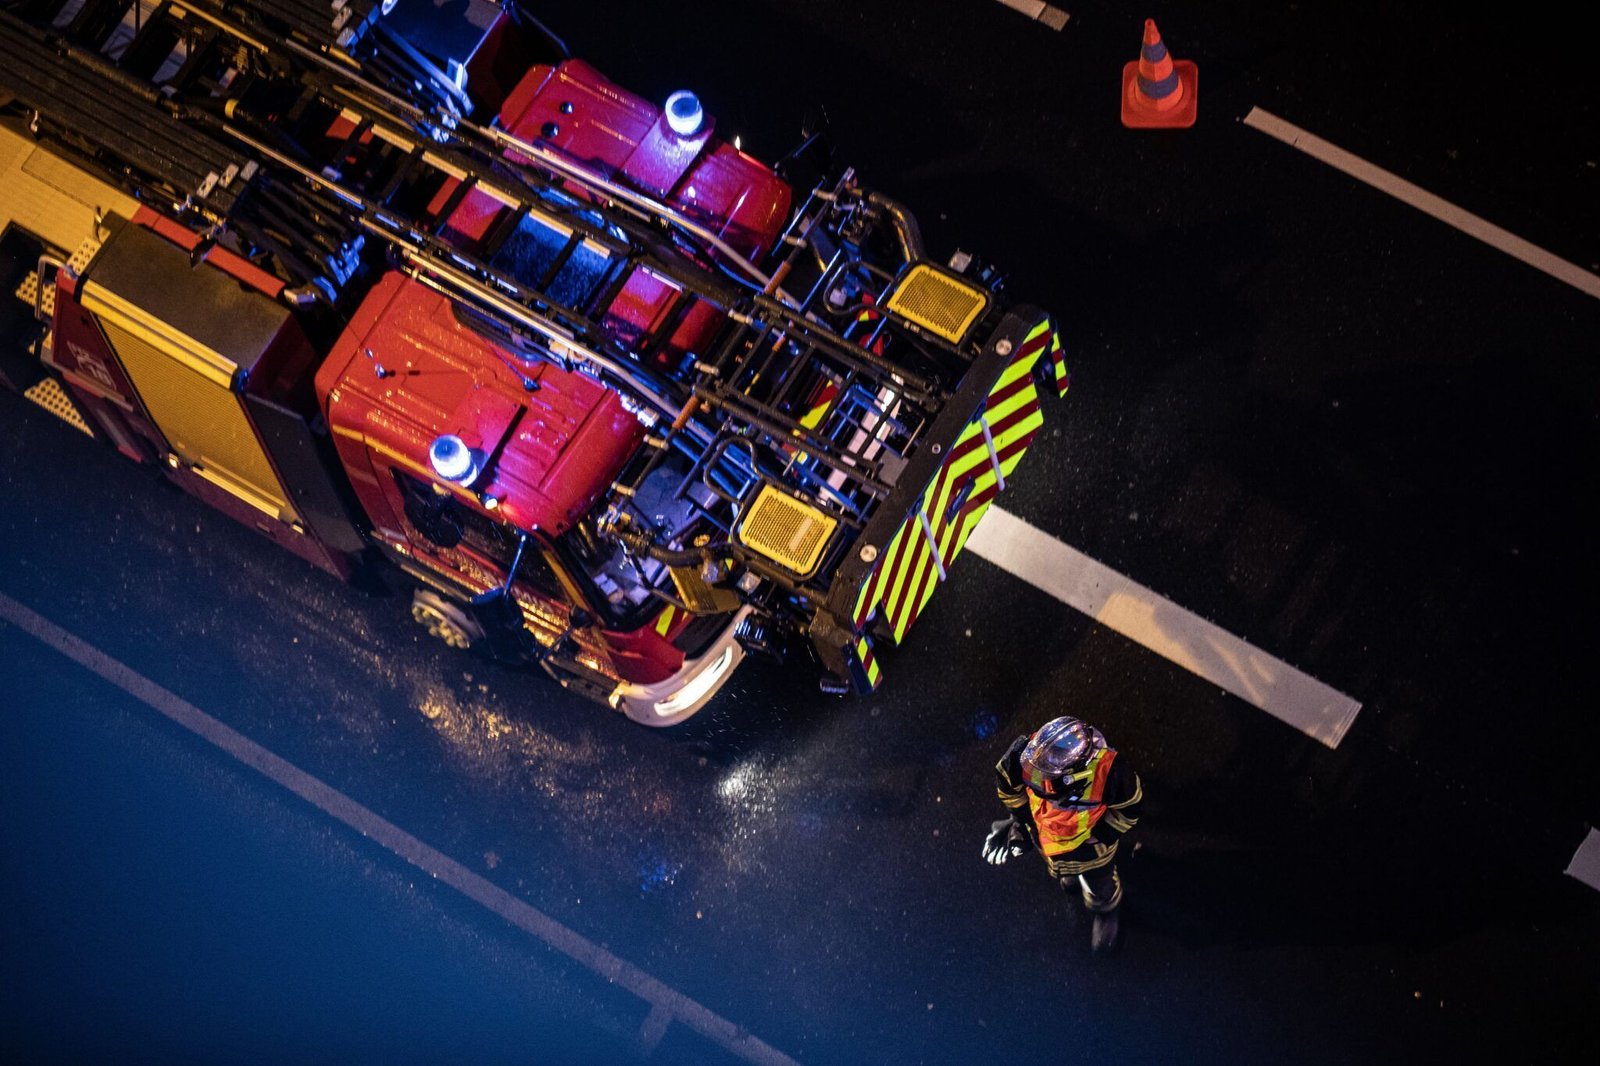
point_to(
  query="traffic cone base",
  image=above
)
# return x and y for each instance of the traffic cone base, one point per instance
(1139, 112)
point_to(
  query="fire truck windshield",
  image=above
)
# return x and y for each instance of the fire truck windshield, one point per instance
(617, 585)
(551, 261)
(629, 589)
(447, 524)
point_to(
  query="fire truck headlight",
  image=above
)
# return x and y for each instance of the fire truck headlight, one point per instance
(696, 687)
(684, 113)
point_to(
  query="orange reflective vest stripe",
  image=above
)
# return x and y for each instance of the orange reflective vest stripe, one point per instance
(1064, 829)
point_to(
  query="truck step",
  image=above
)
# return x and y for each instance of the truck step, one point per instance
(49, 394)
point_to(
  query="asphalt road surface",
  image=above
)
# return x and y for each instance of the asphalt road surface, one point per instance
(1304, 411)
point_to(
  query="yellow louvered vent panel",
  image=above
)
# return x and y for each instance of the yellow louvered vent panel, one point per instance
(203, 421)
(790, 532)
(938, 302)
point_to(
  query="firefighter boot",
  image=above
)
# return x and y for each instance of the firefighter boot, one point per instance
(1106, 933)
(1102, 896)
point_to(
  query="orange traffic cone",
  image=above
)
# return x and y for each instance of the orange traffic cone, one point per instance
(1159, 92)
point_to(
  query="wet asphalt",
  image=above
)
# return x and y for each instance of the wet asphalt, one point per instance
(1334, 427)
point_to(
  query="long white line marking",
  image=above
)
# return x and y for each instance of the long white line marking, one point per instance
(667, 1005)
(1039, 11)
(1165, 628)
(1585, 864)
(1422, 200)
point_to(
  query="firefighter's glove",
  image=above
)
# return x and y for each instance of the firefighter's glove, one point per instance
(1005, 841)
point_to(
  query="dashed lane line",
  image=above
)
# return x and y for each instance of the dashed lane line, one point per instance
(667, 1005)
(1041, 12)
(1585, 864)
(1422, 200)
(1170, 631)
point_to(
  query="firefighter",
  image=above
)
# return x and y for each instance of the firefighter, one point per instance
(1072, 798)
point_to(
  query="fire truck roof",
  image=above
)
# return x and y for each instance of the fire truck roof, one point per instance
(408, 371)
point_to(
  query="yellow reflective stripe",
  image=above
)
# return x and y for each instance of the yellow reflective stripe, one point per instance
(1071, 867)
(976, 458)
(879, 583)
(943, 543)
(862, 608)
(916, 608)
(969, 522)
(917, 554)
(1138, 794)
(979, 457)
(1008, 463)
(903, 591)
(957, 468)
(1024, 426)
(947, 538)
(905, 610)
(1023, 413)
(1016, 370)
(894, 580)
(886, 590)
(994, 415)
(1023, 397)
(937, 508)
(664, 619)
(1029, 422)
(868, 662)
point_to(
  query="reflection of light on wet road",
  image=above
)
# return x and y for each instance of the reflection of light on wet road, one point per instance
(735, 787)
(759, 796)
(656, 875)
(510, 754)
(984, 723)
(667, 1005)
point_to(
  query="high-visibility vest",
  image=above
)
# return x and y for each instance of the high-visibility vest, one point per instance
(1064, 829)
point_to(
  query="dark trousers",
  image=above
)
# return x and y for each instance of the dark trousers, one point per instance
(1094, 868)
(1101, 888)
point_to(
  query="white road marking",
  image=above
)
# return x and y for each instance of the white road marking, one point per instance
(667, 1005)
(1039, 11)
(1585, 864)
(1185, 638)
(1446, 212)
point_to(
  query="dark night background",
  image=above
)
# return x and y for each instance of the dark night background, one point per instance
(1329, 424)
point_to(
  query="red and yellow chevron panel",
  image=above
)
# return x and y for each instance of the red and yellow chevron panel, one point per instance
(984, 457)
(1059, 375)
(865, 667)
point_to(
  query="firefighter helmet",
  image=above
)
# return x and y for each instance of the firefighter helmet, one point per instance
(1055, 761)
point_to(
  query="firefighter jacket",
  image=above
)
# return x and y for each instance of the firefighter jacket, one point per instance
(1076, 837)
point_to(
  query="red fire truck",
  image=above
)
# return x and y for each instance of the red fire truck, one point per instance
(422, 297)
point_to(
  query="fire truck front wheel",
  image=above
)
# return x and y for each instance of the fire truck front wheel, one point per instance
(444, 620)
